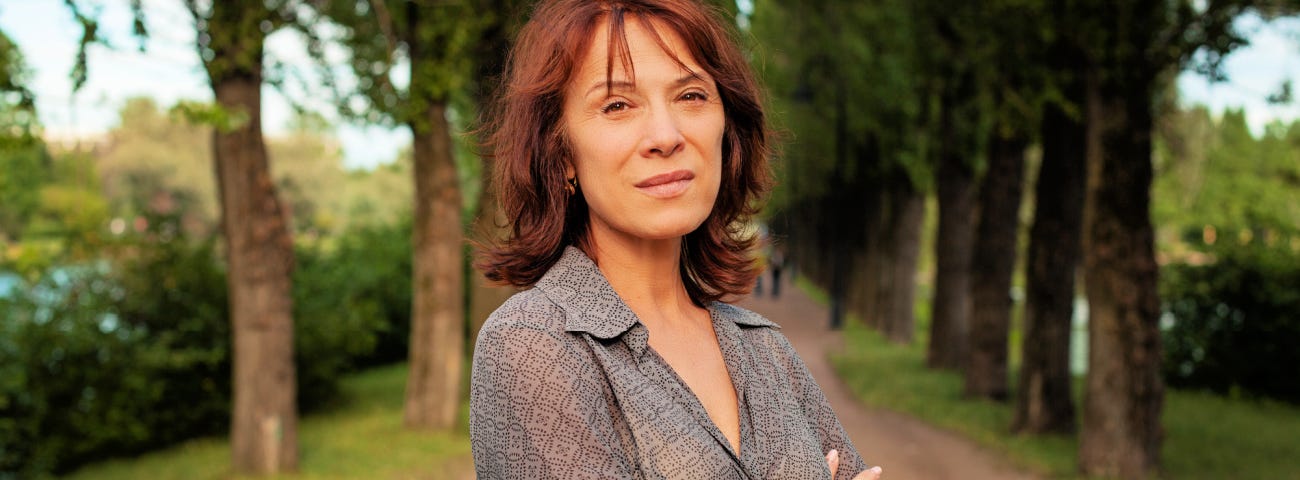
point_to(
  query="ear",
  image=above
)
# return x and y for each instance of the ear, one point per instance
(569, 171)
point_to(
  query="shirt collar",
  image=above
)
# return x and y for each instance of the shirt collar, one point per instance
(740, 316)
(590, 304)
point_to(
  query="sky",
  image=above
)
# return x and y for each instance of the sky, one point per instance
(169, 70)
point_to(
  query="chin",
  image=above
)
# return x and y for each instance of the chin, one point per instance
(669, 228)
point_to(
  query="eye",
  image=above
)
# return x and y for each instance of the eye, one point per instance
(613, 107)
(695, 96)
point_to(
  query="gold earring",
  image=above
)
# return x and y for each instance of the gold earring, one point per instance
(571, 185)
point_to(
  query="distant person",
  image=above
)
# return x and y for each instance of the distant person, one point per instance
(775, 263)
(629, 141)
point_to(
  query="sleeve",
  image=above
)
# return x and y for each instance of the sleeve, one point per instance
(538, 410)
(817, 410)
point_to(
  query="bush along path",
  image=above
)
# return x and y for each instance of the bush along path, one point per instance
(905, 447)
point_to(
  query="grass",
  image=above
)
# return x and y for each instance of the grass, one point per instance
(894, 377)
(1210, 436)
(360, 438)
(1206, 436)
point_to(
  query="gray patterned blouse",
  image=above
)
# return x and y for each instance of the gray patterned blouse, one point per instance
(564, 385)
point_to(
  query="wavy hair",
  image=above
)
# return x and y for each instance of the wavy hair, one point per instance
(525, 137)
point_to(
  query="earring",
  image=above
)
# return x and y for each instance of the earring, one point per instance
(571, 185)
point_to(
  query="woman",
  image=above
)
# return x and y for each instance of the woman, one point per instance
(630, 147)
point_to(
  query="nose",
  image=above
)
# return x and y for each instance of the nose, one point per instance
(663, 134)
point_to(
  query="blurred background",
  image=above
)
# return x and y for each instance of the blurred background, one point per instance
(979, 194)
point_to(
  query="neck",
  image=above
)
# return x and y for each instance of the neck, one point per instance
(646, 274)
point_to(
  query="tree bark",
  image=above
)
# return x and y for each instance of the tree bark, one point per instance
(893, 268)
(437, 317)
(1043, 400)
(438, 259)
(1121, 433)
(949, 322)
(868, 259)
(259, 256)
(906, 240)
(993, 263)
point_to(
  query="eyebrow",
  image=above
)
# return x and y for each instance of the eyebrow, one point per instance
(685, 79)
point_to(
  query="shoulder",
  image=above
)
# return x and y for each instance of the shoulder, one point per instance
(528, 330)
(529, 309)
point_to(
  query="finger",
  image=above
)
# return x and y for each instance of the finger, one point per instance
(833, 461)
(872, 473)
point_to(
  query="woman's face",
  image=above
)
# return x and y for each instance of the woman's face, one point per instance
(647, 149)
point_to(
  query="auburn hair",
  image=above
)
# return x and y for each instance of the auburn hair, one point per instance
(529, 148)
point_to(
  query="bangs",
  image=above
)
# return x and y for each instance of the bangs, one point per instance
(618, 46)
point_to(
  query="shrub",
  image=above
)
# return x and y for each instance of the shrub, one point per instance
(364, 283)
(115, 358)
(99, 362)
(43, 340)
(1236, 322)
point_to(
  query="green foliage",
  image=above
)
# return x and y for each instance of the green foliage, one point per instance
(381, 195)
(154, 161)
(77, 215)
(67, 374)
(361, 285)
(232, 33)
(17, 105)
(154, 158)
(432, 39)
(1229, 209)
(1206, 436)
(110, 360)
(1235, 328)
(884, 374)
(842, 79)
(1211, 436)
(1246, 439)
(209, 114)
(70, 216)
(24, 162)
(308, 169)
(24, 169)
(1216, 175)
(105, 359)
(363, 438)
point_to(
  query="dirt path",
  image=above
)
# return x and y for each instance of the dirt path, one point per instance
(906, 448)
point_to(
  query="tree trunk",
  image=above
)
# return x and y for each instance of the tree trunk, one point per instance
(1121, 433)
(893, 267)
(949, 322)
(992, 264)
(1043, 400)
(870, 258)
(906, 232)
(437, 317)
(259, 256)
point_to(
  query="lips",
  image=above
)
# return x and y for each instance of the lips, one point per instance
(666, 185)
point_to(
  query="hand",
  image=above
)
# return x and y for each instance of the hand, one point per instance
(833, 460)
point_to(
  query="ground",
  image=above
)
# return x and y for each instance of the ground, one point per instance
(903, 446)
